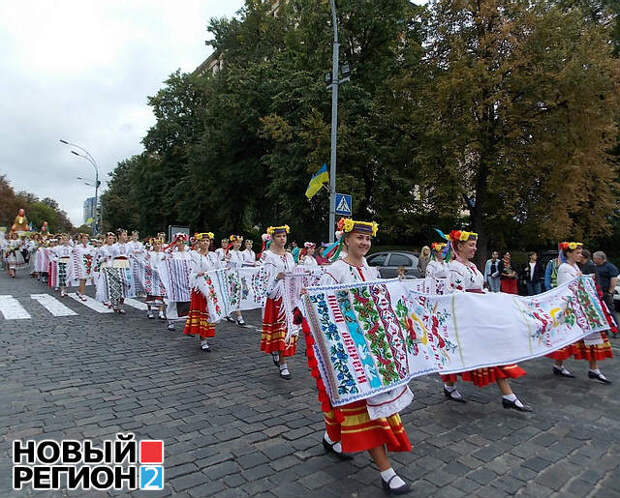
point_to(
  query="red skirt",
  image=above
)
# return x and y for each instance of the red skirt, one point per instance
(197, 322)
(273, 336)
(579, 351)
(350, 424)
(484, 376)
(509, 286)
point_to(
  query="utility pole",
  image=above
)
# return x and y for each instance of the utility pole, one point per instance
(334, 131)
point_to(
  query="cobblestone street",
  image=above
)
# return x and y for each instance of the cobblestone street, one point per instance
(232, 427)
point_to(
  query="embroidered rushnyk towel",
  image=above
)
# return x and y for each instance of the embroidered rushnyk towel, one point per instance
(174, 274)
(375, 336)
(248, 287)
(232, 289)
(214, 287)
(300, 278)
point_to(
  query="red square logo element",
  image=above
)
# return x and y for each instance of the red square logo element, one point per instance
(151, 451)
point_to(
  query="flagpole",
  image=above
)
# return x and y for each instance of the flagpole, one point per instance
(334, 130)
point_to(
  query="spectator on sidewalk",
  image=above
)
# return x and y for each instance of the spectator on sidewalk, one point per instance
(586, 265)
(533, 275)
(423, 260)
(491, 272)
(295, 251)
(551, 273)
(507, 275)
(607, 278)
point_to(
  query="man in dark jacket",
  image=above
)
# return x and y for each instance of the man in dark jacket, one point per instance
(607, 278)
(533, 275)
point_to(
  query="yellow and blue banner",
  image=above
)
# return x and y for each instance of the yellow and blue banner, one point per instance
(317, 181)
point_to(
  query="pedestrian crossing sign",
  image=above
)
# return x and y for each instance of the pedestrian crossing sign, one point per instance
(344, 205)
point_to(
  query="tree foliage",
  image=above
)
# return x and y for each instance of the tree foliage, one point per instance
(37, 211)
(509, 105)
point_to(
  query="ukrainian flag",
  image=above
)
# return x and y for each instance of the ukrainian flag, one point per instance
(317, 181)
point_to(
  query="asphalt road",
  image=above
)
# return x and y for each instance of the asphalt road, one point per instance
(232, 427)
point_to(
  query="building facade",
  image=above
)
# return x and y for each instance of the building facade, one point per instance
(89, 210)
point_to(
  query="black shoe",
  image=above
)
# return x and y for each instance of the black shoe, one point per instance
(229, 319)
(275, 357)
(329, 448)
(512, 405)
(454, 395)
(206, 348)
(558, 371)
(285, 376)
(598, 376)
(403, 490)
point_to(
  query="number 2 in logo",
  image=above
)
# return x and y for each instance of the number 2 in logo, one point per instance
(151, 477)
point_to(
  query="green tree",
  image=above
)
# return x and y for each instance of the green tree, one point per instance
(519, 100)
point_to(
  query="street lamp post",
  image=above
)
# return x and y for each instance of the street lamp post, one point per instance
(334, 130)
(87, 155)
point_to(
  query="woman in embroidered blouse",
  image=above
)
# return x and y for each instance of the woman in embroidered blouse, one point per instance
(273, 337)
(202, 261)
(465, 276)
(234, 259)
(306, 255)
(154, 288)
(249, 256)
(349, 428)
(83, 254)
(177, 250)
(62, 255)
(598, 347)
(436, 267)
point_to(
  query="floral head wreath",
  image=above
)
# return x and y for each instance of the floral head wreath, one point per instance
(110, 233)
(233, 238)
(204, 235)
(439, 250)
(570, 245)
(276, 230)
(451, 238)
(308, 245)
(462, 236)
(567, 246)
(120, 230)
(266, 238)
(348, 225)
(180, 236)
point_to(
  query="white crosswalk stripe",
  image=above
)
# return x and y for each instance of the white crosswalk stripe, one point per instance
(53, 305)
(91, 303)
(11, 309)
(136, 304)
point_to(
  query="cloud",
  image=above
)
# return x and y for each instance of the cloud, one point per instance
(82, 70)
